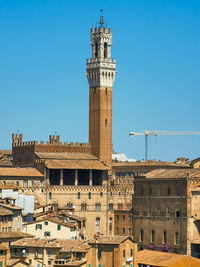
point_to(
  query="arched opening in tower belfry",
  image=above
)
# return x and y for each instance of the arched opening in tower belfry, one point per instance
(96, 50)
(105, 50)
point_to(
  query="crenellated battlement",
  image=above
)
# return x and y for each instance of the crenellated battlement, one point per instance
(53, 141)
(101, 30)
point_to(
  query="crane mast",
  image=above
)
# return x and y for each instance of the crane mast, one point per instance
(161, 132)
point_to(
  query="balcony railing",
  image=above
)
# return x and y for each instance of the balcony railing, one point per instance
(18, 255)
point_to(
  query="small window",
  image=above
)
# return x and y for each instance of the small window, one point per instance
(110, 207)
(89, 195)
(38, 226)
(32, 183)
(111, 194)
(49, 262)
(58, 227)
(83, 207)
(46, 222)
(49, 252)
(141, 235)
(96, 50)
(117, 217)
(27, 251)
(176, 238)
(123, 230)
(98, 207)
(110, 224)
(106, 122)
(17, 183)
(25, 183)
(124, 253)
(152, 236)
(105, 50)
(97, 224)
(50, 195)
(150, 191)
(117, 230)
(177, 213)
(79, 195)
(36, 254)
(169, 191)
(101, 194)
(129, 218)
(106, 90)
(164, 237)
(123, 217)
(129, 231)
(131, 252)
(142, 191)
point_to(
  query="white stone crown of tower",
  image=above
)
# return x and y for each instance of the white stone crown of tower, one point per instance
(101, 69)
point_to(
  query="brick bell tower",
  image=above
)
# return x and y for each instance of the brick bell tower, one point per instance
(101, 72)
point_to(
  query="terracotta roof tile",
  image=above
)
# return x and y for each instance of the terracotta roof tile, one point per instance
(4, 212)
(112, 240)
(27, 172)
(163, 259)
(17, 234)
(173, 173)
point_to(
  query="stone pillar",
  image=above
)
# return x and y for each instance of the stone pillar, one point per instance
(61, 177)
(76, 177)
(90, 178)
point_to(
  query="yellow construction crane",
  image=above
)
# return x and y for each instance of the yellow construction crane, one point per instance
(156, 133)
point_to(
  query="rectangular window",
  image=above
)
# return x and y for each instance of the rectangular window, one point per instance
(32, 183)
(25, 183)
(58, 227)
(38, 226)
(129, 231)
(110, 207)
(176, 238)
(49, 252)
(98, 207)
(164, 237)
(131, 252)
(17, 183)
(141, 235)
(41, 183)
(46, 222)
(152, 236)
(124, 253)
(83, 207)
(36, 254)
(177, 213)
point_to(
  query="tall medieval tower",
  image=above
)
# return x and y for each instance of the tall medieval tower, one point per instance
(101, 72)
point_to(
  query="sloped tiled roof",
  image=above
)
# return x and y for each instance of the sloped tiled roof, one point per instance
(173, 173)
(27, 172)
(4, 212)
(112, 240)
(17, 234)
(79, 161)
(163, 259)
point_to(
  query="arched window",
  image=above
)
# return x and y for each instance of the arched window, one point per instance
(141, 235)
(105, 50)
(79, 195)
(89, 195)
(164, 237)
(50, 195)
(97, 224)
(96, 50)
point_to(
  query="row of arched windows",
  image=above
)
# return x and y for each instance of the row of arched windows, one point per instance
(105, 50)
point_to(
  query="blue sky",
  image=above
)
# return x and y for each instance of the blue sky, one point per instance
(156, 43)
